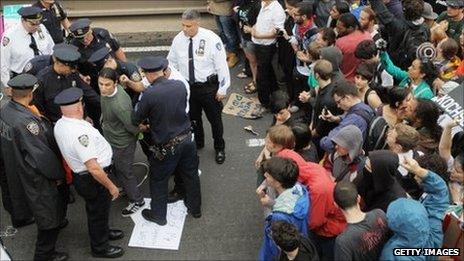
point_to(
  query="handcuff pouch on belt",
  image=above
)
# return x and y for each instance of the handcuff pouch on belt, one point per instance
(161, 151)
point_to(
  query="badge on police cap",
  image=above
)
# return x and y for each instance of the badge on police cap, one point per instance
(136, 77)
(5, 41)
(84, 140)
(27, 67)
(33, 128)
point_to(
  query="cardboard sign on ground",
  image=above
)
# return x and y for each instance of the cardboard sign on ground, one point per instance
(241, 106)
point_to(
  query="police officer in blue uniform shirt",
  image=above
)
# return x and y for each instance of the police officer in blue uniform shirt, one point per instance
(90, 40)
(39, 62)
(163, 104)
(89, 156)
(199, 55)
(60, 76)
(54, 18)
(129, 73)
(31, 152)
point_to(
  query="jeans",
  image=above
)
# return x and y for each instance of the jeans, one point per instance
(265, 79)
(123, 159)
(185, 160)
(228, 32)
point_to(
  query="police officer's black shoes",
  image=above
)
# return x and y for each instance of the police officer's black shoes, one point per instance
(110, 252)
(220, 156)
(115, 234)
(174, 196)
(195, 215)
(146, 214)
(60, 256)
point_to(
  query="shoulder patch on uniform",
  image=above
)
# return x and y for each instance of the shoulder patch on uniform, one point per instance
(33, 128)
(5, 41)
(108, 45)
(27, 67)
(84, 140)
(136, 77)
(219, 46)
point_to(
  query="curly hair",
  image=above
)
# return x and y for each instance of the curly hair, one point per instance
(413, 9)
(430, 71)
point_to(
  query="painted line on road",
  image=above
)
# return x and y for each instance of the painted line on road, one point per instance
(143, 49)
(255, 142)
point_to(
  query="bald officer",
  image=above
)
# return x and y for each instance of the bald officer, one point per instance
(88, 155)
(200, 57)
(30, 150)
(26, 40)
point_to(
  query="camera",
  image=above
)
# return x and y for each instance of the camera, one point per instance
(381, 45)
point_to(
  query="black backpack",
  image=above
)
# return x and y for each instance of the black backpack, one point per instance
(407, 48)
(376, 134)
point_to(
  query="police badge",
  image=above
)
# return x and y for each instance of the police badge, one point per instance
(84, 140)
(5, 41)
(218, 46)
(27, 67)
(33, 128)
(136, 77)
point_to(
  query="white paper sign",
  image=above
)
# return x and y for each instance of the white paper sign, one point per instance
(147, 234)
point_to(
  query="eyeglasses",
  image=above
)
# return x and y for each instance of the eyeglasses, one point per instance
(339, 100)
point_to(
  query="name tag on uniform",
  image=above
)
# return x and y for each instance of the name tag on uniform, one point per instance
(201, 48)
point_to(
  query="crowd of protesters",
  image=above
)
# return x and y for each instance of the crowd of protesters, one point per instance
(359, 159)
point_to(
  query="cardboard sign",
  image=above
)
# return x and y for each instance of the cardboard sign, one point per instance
(452, 104)
(239, 105)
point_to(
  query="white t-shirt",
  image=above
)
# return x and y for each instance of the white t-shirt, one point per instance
(269, 18)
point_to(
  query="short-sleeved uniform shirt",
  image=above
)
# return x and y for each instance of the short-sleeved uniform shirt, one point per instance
(80, 142)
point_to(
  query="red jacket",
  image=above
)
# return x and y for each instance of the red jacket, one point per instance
(325, 218)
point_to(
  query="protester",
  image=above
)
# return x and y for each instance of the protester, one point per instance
(303, 142)
(396, 103)
(363, 78)
(349, 36)
(367, 22)
(291, 203)
(414, 224)
(454, 16)
(293, 245)
(366, 233)
(447, 61)
(338, 8)
(368, 52)
(425, 120)
(326, 37)
(377, 184)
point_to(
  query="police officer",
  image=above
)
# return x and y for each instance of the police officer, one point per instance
(88, 155)
(200, 57)
(24, 41)
(54, 18)
(31, 152)
(42, 61)
(89, 40)
(163, 104)
(130, 76)
(62, 75)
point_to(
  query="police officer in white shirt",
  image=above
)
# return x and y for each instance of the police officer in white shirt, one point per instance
(23, 42)
(269, 25)
(88, 155)
(200, 57)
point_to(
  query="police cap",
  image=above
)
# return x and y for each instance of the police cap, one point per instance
(153, 63)
(99, 55)
(61, 45)
(69, 96)
(80, 27)
(23, 82)
(33, 13)
(455, 3)
(67, 55)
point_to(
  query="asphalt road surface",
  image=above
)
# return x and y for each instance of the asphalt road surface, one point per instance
(232, 223)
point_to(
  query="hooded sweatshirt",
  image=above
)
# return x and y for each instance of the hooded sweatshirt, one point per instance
(379, 188)
(324, 217)
(290, 206)
(417, 225)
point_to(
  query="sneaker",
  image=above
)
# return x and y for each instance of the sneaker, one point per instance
(132, 208)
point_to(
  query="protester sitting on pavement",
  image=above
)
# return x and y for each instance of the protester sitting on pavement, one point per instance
(324, 218)
(419, 77)
(294, 246)
(447, 61)
(280, 108)
(425, 119)
(349, 36)
(402, 139)
(121, 134)
(414, 224)
(368, 52)
(363, 79)
(396, 103)
(303, 142)
(366, 233)
(356, 113)
(290, 205)
(377, 184)
(346, 161)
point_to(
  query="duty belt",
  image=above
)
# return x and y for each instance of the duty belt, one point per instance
(160, 151)
(85, 172)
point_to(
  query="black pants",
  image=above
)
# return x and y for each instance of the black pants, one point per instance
(97, 205)
(286, 60)
(266, 81)
(185, 161)
(45, 244)
(203, 98)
